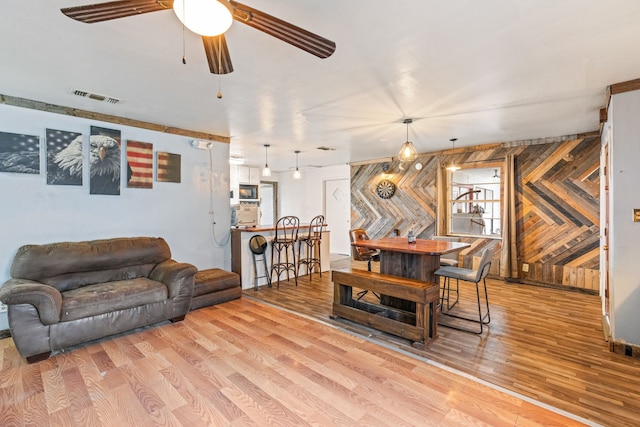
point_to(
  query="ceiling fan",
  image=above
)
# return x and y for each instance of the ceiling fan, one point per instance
(215, 46)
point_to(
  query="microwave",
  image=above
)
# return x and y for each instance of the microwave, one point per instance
(248, 192)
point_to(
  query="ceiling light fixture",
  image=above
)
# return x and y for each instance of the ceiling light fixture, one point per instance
(407, 152)
(266, 171)
(205, 17)
(452, 166)
(297, 174)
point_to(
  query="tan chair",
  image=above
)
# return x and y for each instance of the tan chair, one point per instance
(363, 254)
(283, 248)
(311, 245)
(468, 275)
(448, 260)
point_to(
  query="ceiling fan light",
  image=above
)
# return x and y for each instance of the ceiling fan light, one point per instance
(205, 17)
(408, 152)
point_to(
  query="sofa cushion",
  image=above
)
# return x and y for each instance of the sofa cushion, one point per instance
(44, 263)
(213, 280)
(92, 300)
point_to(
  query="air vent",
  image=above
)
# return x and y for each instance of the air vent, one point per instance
(323, 148)
(95, 96)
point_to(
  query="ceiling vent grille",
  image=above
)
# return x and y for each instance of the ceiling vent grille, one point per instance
(95, 96)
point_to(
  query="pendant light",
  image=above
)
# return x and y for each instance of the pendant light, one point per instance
(266, 171)
(452, 166)
(407, 152)
(297, 174)
(205, 17)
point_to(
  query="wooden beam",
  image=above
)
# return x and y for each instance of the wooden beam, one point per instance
(624, 86)
(76, 112)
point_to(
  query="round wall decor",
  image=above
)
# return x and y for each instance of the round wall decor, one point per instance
(385, 189)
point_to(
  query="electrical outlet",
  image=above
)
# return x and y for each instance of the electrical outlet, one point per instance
(525, 268)
(3, 307)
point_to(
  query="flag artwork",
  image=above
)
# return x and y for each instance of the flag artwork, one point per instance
(168, 167)
(19, 153)
(140, 160)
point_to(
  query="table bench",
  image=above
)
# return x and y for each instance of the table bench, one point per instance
(418, 327)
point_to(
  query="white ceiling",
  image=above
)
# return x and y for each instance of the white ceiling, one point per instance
(480, 71)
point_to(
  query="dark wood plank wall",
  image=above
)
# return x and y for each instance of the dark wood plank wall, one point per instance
(557, 205)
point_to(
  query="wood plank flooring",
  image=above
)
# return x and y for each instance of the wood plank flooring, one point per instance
(247, 363)
(543, 343)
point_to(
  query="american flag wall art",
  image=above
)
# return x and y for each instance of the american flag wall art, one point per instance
(168, 167)
(140, 160)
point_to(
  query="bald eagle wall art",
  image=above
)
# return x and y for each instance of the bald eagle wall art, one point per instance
(19, 153)
(64, 157)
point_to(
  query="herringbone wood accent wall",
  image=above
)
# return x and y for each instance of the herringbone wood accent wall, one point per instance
(557, 205)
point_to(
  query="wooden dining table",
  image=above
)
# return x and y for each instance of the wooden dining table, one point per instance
(417, 260)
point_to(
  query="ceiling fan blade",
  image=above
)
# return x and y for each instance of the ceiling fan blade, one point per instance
(217, 54)
(296, 36)
(115, 9)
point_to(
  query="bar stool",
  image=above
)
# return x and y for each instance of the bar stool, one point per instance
(448, 260)
(283, 246)
(258, 246)
(468, 275)
(311, 244)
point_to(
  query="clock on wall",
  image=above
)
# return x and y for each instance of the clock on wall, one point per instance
(385, 189)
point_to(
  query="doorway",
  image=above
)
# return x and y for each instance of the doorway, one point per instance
(337, 205)
(268, 203)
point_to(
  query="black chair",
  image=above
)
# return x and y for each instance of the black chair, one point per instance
(258, 246)
(311, 245)
(283, 248)
(363, 254)
(468, 275)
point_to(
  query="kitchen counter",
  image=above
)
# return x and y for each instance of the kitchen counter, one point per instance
(242, 258)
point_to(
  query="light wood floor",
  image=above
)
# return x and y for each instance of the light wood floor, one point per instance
(247, 363)
(543, 343)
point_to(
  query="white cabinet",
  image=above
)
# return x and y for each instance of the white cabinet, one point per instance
(247, 175)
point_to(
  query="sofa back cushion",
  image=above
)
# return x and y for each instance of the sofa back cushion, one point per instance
(70, 265)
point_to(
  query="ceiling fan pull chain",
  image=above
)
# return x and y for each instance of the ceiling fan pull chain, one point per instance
(219, 67)
(184, 49)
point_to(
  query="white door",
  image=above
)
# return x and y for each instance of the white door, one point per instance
(266, 204)
(337, 205)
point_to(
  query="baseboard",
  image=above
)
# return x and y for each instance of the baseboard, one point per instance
(625, 349)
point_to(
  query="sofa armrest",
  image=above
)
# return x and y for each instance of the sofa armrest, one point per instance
(46, 299)
(176, 275)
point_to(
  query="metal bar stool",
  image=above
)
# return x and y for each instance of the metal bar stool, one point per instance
(283, 248)
(311, 244)
(473, 276)
(258, 246)
(448, 260)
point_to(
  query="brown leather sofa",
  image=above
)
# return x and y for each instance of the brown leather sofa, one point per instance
(63, 294)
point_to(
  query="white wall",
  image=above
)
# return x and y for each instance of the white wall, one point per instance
(33, 212)
(624, 114)
(304, 198)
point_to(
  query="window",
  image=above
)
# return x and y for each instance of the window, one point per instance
(474, 202)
